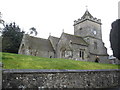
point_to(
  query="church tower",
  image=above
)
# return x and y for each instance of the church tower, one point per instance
(89, 28)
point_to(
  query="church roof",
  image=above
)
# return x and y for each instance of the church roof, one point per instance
(54, 41)
(39, 43)
(75, 39)
(87, 14)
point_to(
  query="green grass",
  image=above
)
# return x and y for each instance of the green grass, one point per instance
(17, 61)
(0, 57)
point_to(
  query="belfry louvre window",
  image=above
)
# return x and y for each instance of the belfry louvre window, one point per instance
(82, 54)
(95, 45)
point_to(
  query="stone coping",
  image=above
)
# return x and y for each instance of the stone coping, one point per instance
(53, 70)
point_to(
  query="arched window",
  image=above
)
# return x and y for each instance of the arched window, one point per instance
(81, 54)
(63, 53)
(23, 49)
(22, 46)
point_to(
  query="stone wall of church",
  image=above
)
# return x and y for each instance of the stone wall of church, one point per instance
(87, 28)
(41, 79)
(102, 59)
(91, 32)
(76, 52)
(48, 54)
(28, 49)
(96, 46)
(68, 50)
(40, 53)
(61, 46)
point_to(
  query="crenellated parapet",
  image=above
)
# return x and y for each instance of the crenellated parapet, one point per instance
(87, 16)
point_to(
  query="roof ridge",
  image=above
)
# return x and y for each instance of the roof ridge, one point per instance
(73, 35)
(55, 37)
(76, 37)
(36, 37)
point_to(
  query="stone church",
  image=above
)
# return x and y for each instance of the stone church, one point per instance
(85, 45)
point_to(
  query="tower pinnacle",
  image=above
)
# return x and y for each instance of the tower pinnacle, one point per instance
(87, 16)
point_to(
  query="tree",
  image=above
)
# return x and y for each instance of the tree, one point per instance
(115, 38)
(11, 38)
(33, 31)
(1, 23)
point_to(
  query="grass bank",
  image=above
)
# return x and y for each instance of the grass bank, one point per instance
(17, 61)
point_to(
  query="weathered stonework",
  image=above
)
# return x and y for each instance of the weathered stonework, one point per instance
(60, 78)
(85, 45)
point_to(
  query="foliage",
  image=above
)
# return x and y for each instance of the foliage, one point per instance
(11, 38)
(17, 61)
(115, 38)
(2, 22)
(33, 31)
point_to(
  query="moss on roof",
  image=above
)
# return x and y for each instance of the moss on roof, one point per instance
(76, 39)
(39, 43)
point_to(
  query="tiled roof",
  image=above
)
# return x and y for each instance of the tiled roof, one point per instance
(39, 43)
(75, 39)
(54, 41)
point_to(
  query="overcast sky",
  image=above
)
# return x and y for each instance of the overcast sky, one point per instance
(52, 16)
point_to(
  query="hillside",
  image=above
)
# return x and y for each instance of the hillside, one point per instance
(17, 61)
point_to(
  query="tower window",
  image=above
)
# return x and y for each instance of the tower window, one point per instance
(80, 28)
(95, 45)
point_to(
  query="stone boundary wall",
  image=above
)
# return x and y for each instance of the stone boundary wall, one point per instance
(0, 75)
(40, 79)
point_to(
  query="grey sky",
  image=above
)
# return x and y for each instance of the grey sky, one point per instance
(52, 16)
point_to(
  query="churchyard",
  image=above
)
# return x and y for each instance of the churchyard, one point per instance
(18, 61)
